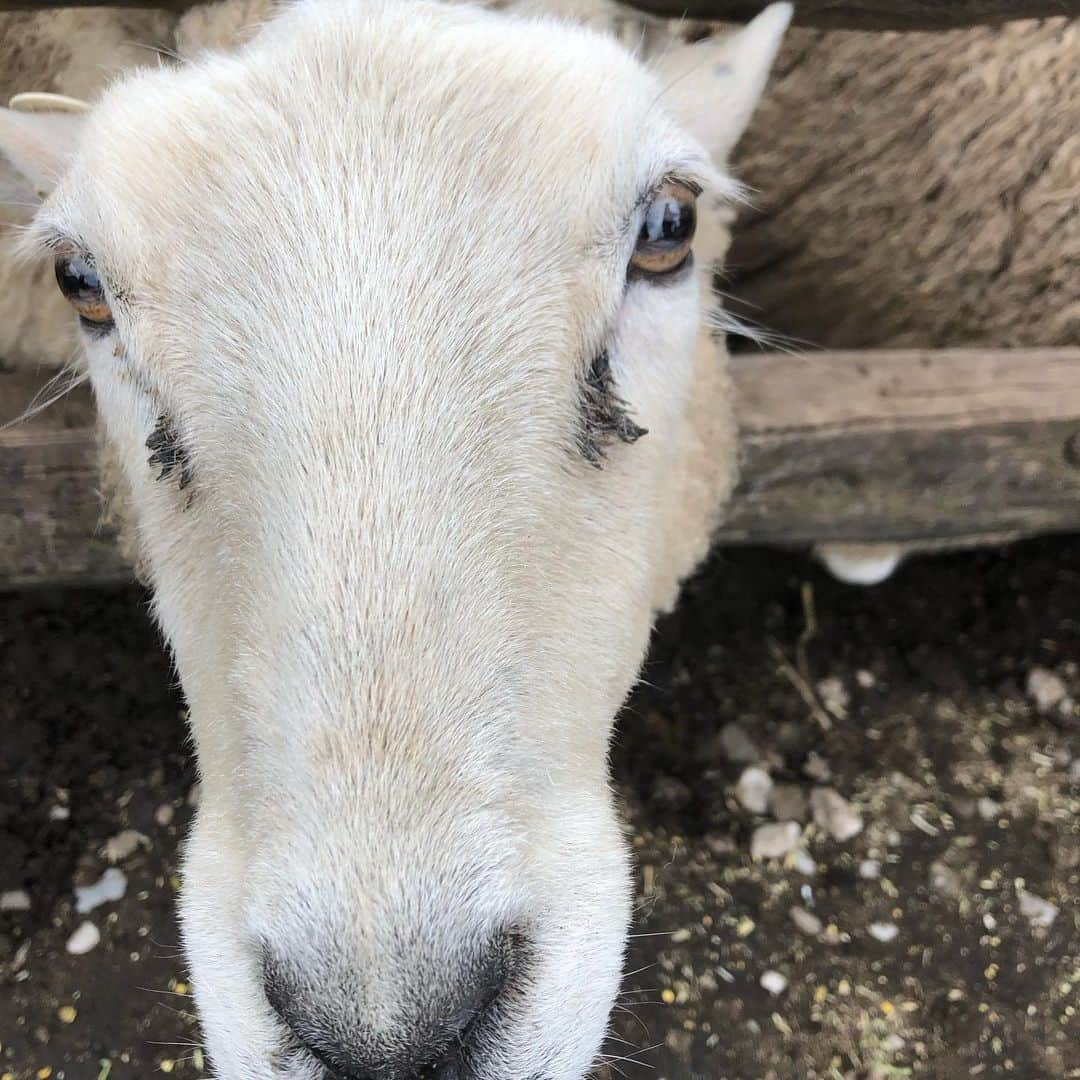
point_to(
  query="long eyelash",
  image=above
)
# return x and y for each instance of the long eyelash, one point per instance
(167, 451)
(605, 416)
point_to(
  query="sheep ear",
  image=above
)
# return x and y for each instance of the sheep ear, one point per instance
(37, 145)
(713, 87)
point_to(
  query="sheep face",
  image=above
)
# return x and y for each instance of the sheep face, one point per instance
(395, 329)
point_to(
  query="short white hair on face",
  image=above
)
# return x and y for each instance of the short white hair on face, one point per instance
(398, 331)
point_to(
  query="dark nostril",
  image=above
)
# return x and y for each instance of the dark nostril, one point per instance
(450, 1070)
(445, 1028)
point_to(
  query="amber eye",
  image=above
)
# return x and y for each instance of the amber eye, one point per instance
(79, 282)
(667, 230)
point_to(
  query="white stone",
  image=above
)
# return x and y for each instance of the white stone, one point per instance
(774, 982)
(775, 841)
(834, 696)
(1045, 688)
(870, 870)
(15, 900)
(883, 931)
(753, 789)
(123, 845)
(833, 813)
(85, 938)
(806, 921)
(1036, 910)
(988, 809)
(110, 887)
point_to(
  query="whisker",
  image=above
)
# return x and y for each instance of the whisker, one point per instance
(49, 394)
(723, 320)
(161, 50)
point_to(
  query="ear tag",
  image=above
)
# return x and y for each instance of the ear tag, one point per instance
(35, 101)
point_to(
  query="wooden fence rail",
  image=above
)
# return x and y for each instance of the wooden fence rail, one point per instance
(842, 14)
(939, 448)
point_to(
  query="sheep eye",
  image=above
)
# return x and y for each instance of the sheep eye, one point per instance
(667, 230)
(79, 282)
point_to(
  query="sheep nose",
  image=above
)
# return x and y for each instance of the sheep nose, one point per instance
(452, 1068)
(447, 1071)
(436, 1041)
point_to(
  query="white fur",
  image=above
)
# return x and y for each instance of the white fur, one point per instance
(364, 264)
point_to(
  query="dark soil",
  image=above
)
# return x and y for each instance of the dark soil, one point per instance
(923, 965)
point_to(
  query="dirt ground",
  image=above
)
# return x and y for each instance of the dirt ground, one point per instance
(920, 920)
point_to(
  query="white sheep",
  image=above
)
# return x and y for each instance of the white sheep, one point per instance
(399, 334)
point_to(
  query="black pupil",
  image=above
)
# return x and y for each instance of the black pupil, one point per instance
(77, 279)
(668, 222)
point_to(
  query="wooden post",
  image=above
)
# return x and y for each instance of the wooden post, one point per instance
(937, 448)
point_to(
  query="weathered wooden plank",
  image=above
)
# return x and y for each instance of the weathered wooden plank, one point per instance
(50, 512)
(844, 14)
(938, 448)
(870, 14)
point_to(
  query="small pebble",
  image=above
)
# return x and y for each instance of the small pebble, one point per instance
(944, 879)
(833, 813)
(753, 789)
(834, 696)
(67, 1014)
(737, 746)
(85, 938)
(870, 870)
(774, 982)
(1045, 688)
(22, 954)
(806, 921)
(865, 679)
(802, 862)
(775, 841)
(787, 802)
(15, 900)
(817, 768)
(1036, 910)
(59, 813)
(164, 814)
(110, 887)
(883, 931)
(123, 845)
(988, 809)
